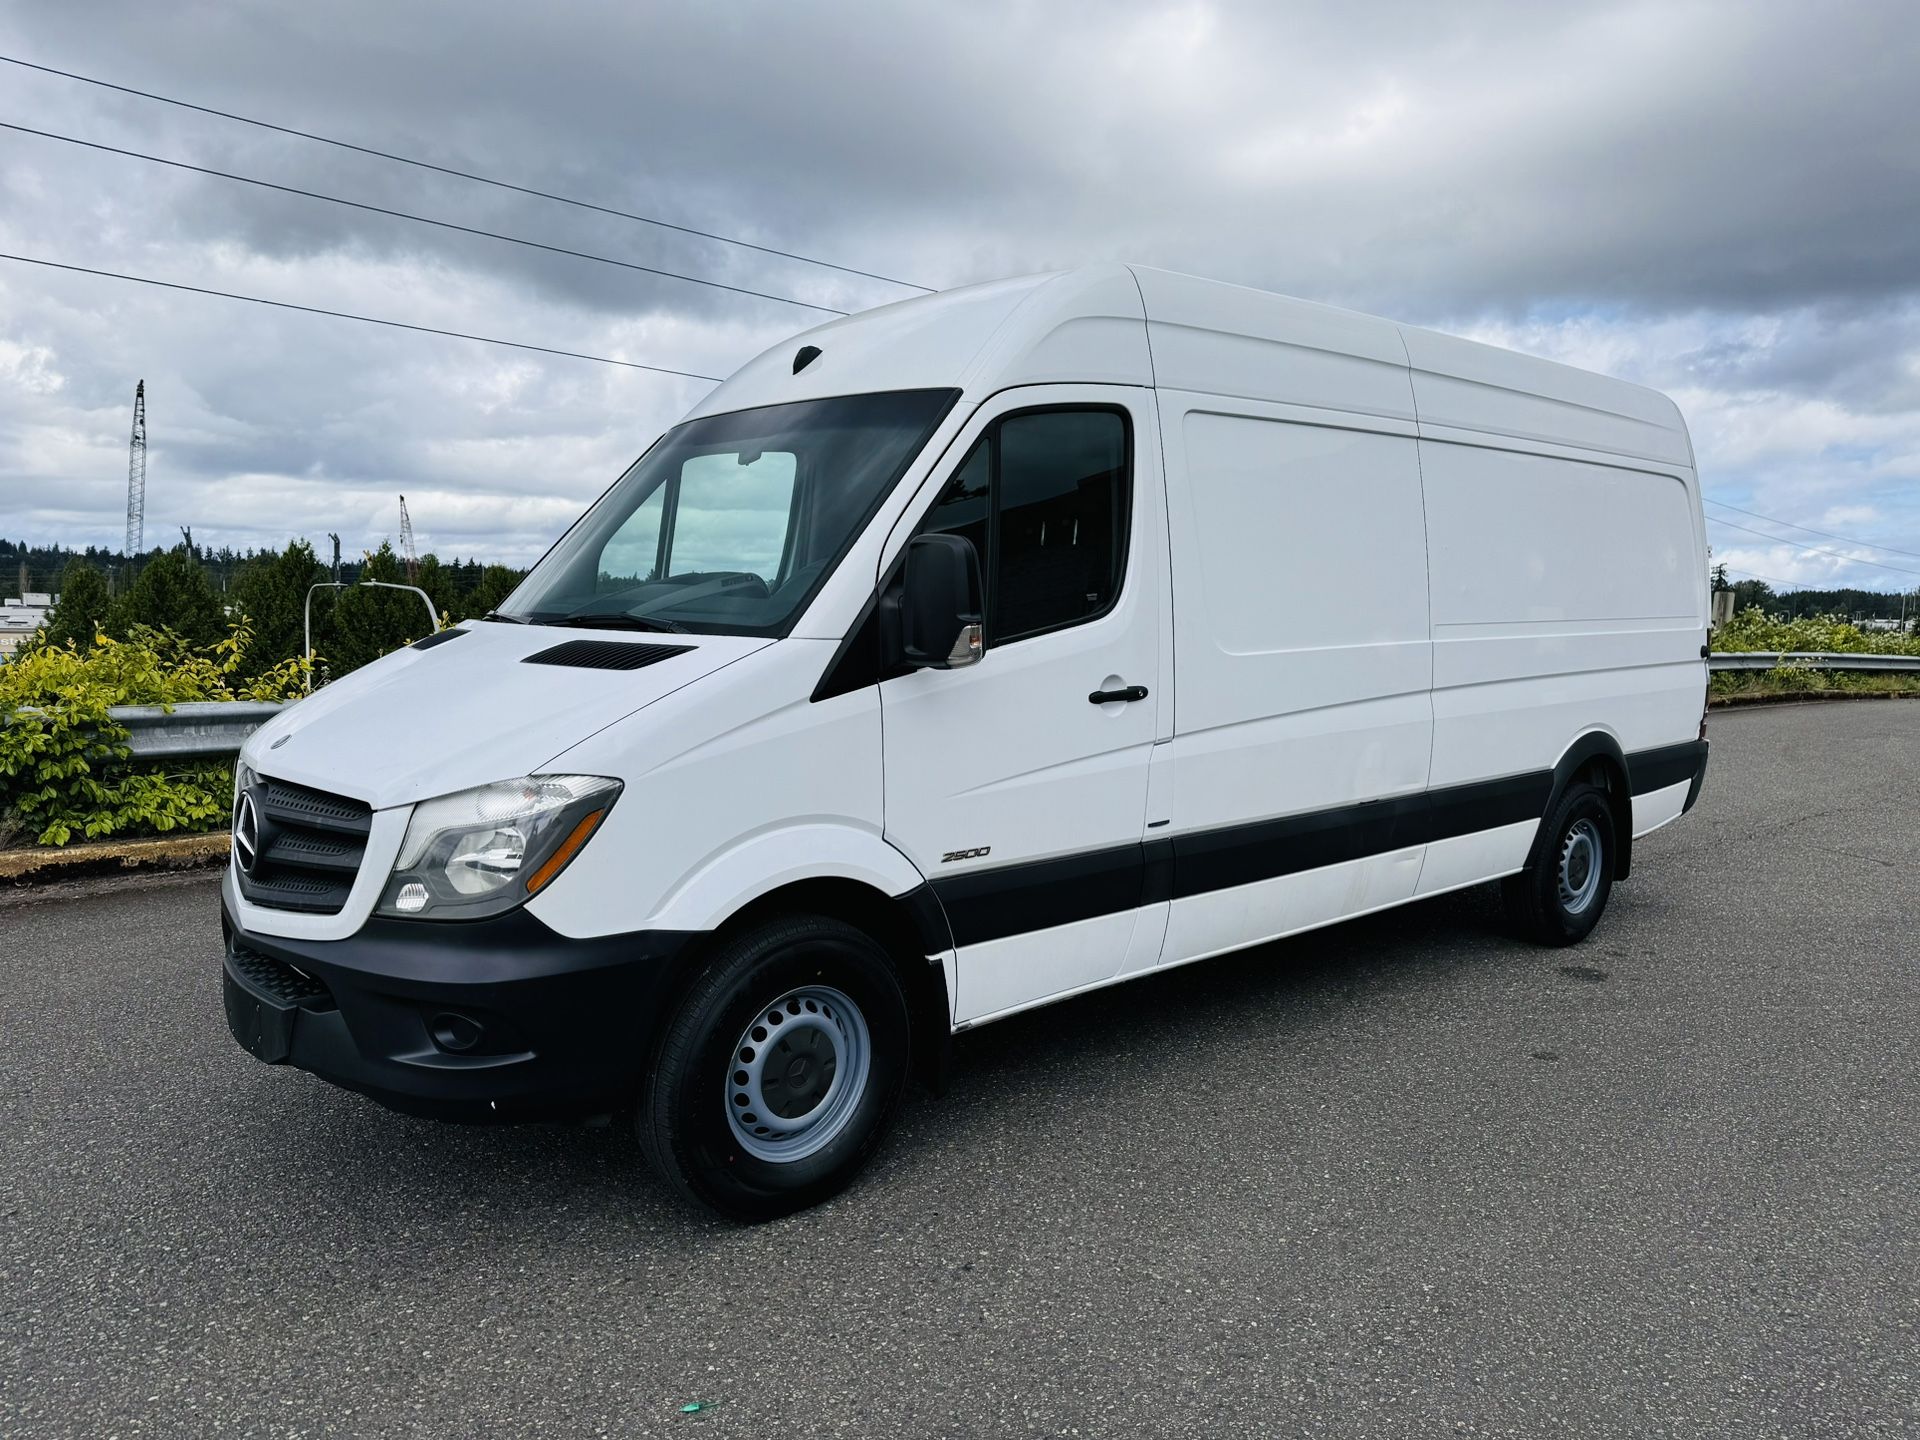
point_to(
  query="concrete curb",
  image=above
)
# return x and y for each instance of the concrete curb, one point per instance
(49, 863)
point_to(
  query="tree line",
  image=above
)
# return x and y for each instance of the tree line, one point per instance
(1855, 605)
(199, 598)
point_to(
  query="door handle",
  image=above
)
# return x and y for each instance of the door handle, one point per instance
(1107, 697)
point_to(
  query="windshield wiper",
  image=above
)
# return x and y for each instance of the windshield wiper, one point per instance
(618, 622)
(506, 619)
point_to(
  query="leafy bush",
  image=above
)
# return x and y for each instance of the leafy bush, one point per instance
(1754, 629)
(64, 766)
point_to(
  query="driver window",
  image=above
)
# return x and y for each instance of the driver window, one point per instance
(734, 514)
(1044, 497)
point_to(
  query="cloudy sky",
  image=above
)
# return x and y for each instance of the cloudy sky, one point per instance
(1720, 199)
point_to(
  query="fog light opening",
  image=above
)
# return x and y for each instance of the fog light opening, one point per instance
(458, 1033)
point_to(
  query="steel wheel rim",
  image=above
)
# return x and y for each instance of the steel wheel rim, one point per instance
(1580, 858)
(797, 1074)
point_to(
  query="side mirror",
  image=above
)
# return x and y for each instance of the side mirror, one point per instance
(940, 603)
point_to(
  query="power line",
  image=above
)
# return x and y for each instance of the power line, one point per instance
(416, 219)
(1828, 534)
(1790, 584)
(1817, 550)
(348, 315)
(466, 175)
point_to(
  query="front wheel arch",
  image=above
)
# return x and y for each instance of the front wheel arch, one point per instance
(911, 928)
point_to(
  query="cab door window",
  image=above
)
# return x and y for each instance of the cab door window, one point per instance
(1044, 497)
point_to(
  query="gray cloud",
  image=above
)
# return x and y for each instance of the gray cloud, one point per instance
(1716, 197)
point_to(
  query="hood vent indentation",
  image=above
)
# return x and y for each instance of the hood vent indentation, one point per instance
(605, 655)
(427, 642)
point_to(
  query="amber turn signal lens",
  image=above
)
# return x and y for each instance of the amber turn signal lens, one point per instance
(557, 861)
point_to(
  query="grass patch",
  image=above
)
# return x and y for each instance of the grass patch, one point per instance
(1789, 683)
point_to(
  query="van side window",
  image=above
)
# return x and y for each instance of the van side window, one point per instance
(1043, 496)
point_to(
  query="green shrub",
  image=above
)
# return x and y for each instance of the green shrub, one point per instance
(65, 773)
(1754, 629)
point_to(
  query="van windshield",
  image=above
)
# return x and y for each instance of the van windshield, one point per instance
(730, 523)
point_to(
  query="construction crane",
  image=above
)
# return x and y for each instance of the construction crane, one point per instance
(137, 473)
(406, 542)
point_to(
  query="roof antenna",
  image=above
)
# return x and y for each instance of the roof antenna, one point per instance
(804, 357)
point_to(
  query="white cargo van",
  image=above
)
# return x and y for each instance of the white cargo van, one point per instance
(962, 656)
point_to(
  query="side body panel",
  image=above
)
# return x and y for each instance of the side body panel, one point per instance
(1568, 566)
(733, 788)
(1299, 567)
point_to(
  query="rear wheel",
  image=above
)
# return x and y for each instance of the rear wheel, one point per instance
(1558, 899)
(779, 1070)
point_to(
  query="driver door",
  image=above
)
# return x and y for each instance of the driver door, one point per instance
(1018, 785)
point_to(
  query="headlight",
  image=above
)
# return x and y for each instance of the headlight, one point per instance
(483, 851)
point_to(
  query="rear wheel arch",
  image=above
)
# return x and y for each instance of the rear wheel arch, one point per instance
(1595, 757)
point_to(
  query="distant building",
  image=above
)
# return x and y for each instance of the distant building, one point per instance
(21, 617)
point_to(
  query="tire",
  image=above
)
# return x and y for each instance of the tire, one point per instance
(757, 1119)
(1558, 899)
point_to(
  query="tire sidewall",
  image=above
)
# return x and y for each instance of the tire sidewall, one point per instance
(691, 1105)
(1582, 802)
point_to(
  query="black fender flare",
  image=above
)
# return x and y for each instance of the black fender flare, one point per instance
(1595, 744)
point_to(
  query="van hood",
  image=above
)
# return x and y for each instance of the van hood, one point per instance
(474, 707)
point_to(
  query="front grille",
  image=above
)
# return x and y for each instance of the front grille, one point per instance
(309, 848)
(279, 980)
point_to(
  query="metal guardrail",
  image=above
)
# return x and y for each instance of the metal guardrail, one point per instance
(193, 729)
(1809, 660)
(203, 729)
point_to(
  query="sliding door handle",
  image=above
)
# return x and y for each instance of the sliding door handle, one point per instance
(1107, 697)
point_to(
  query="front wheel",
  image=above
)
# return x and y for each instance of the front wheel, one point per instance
(1557, 900)
(779, 1070)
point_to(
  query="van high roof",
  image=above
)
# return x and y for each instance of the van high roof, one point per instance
(1133, 325)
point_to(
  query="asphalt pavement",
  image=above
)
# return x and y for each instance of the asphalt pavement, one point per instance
(1403, 1177)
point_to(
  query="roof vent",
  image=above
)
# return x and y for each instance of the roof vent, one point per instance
(605, 655)
(804, 357)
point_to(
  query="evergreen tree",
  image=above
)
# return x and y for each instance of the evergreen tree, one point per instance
(367, 622)
(83, 606)
(437, 581)
(171, 593)
(271, 591)
(496, 583)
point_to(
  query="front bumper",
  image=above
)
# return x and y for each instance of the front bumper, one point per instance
(475, 1020)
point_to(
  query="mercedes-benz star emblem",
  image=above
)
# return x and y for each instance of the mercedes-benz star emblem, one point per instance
(246, 835)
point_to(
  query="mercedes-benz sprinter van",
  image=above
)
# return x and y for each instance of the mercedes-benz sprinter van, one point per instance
(959, 657)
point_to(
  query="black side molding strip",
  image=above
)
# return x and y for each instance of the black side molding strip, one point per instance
(993, 904)
(1649, 770)
(986, 905)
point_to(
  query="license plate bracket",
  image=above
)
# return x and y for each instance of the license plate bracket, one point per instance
(264, 1029)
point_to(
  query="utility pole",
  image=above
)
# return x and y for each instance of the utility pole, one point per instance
(336, 556)
(137, 473)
